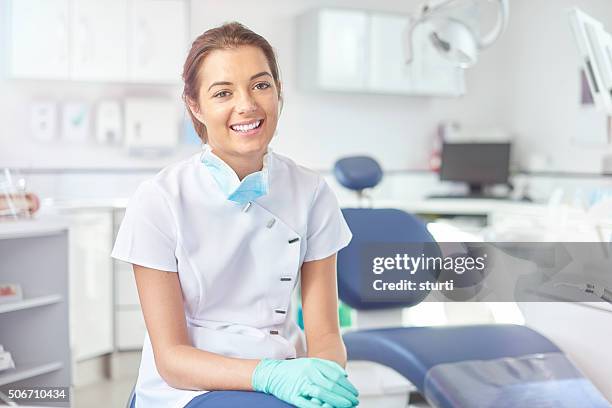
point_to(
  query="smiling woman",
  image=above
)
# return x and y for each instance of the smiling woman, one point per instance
(219, 242)
(233, 93)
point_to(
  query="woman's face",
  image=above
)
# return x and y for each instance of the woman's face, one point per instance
(237, 101)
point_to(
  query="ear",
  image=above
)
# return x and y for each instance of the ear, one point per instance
(281, 103)
(195, 109)
(279, 86)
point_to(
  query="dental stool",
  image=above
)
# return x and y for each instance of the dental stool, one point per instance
(494, 365)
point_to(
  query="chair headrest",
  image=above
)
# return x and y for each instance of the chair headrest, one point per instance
(358, 172)
(385, 227)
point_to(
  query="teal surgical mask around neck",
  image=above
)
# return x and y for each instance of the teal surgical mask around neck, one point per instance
(251, 187)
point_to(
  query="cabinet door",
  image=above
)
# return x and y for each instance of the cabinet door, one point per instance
(126, 293)
(98, 37)
(130, 328)
(38, 39)
(342, 43)
(389, 72)
(91, 289)
(158, 40)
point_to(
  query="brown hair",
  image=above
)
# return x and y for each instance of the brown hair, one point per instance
(227, 36)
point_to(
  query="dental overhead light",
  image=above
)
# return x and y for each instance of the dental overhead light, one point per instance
(453, 37)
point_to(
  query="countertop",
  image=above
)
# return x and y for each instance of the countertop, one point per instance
(34, 227)
(84, 203)
(461, 206)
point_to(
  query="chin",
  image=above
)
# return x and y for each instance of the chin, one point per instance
(255, 145)
(248, 148)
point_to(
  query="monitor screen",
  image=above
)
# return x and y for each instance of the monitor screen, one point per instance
(475, 163)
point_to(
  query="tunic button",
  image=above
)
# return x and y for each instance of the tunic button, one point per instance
(285, 279)
(246, 207)
(280, 311)
(271, 223)
(292, 240)
(273, 331)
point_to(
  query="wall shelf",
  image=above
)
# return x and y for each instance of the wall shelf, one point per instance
(29, 228)
(26, 371)
(29, 303)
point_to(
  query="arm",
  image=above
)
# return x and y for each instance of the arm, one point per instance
(179, 363)
(320, 309)
(20, 202)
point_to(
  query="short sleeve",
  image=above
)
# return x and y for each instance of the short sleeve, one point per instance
(327, 231)
(147, 235)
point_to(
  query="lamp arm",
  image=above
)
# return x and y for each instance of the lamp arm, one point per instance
(432, 6)
(408, 46)
(503, 14)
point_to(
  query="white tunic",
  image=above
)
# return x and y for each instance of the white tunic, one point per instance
(237, 264)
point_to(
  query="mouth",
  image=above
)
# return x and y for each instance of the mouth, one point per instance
(248, 128)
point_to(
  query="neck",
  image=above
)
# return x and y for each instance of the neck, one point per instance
(242, 165)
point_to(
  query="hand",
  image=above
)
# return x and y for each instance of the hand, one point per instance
(26, 202)
(301, 380)
(318, 402)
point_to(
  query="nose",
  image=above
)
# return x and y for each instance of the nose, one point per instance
(246, 104)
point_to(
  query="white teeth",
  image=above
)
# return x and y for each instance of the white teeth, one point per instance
(246, 128)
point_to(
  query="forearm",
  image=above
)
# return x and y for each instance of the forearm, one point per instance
(187, 367)
(328, 347)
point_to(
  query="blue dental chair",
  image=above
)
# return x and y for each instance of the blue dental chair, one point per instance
(454, 366)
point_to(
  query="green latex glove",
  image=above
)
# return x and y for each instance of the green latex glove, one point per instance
(300, 380)
(321, 403)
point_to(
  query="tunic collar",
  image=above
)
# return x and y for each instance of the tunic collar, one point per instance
(251, 187)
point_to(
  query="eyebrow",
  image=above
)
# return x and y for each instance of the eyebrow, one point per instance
(263, 73)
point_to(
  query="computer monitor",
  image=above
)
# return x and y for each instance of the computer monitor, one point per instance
(477, 164)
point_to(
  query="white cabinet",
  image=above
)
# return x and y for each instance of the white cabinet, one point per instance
(92, 40)
(126, 294)
(98, 38)
(38, 36)
(158, 40)
(130, 327)
(364, 51)
(34, 254)
(388, 71)
(349, 30)
(105, 313)
(91, 290)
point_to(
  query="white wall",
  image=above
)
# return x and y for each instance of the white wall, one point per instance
(539, 78)
(314, 129)
(317, 128)
(17, 149)
(527, 82)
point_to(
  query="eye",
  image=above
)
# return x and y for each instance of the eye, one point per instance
(221, 94)
(262, 85)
